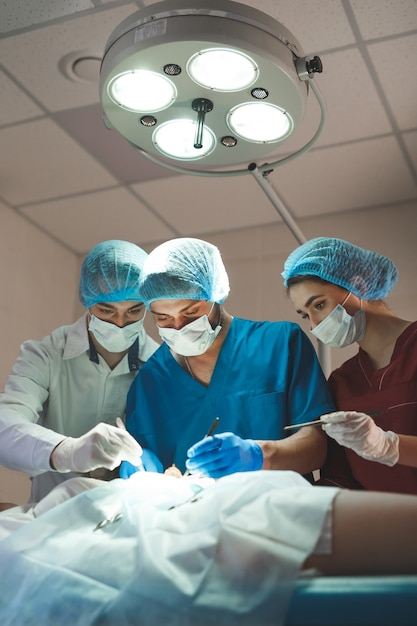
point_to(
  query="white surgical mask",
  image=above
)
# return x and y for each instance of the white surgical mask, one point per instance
(339, 329)
(112, 337)
(193, 339)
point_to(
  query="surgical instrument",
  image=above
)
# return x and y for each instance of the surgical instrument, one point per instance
(208, 434)
(315, 422)
(312, 423)
(120, 424)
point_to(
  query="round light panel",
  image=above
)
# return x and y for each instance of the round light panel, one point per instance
(222, 69)
(175, 139)
(260, 122)
(141, 90)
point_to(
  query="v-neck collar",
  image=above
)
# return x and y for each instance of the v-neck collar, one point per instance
(365, 362)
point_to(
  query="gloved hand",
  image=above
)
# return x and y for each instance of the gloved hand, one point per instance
(150, 463)
(223, 454)
(102, 446)
(359, 432)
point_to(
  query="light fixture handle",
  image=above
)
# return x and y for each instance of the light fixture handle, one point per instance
(202, 106)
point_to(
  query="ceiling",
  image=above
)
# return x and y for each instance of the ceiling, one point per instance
(80, 183)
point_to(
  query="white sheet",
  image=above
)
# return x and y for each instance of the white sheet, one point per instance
(229, 555)
(14, 518)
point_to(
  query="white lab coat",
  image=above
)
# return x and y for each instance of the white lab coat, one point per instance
(54, 390)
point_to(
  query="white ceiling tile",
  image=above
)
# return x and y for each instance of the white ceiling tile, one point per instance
(15, 105)
(39, 73)
(367, 173)
(110, 149)
(354, 109)
(81, 222)
(385, 17)
(395, 66)
(16, 14)
(199, 204)
(50, 164)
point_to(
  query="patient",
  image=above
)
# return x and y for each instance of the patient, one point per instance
(177, 551)
(353, 529)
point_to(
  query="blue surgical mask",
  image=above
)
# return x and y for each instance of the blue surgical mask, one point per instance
(339, 329)
(193, 339)
(112, 337)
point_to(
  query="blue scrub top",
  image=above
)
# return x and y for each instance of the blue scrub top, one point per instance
(267, 376)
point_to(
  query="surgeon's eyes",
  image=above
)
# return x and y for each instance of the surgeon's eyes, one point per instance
(160, 318)
(105, 311)
(317, 306)
(135, 311)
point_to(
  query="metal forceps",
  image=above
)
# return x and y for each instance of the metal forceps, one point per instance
(312, 423)
(108, 520)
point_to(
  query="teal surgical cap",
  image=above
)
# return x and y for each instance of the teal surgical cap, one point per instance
(111, 272)
(184, 269)
(365, 273)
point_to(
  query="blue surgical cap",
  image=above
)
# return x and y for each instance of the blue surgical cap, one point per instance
(184, 269)
(111, 272)
(365, 273)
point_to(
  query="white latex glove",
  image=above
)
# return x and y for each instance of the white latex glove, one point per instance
(102, 446)
(359, 432)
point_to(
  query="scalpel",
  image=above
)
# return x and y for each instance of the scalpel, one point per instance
(208, 433)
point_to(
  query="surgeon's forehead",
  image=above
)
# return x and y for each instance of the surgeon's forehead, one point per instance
(120, 306)
(305, 292)
(174, 305)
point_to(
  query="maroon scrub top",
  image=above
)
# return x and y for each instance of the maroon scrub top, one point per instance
(389, 396)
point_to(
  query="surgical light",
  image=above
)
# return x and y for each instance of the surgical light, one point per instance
(212, 82)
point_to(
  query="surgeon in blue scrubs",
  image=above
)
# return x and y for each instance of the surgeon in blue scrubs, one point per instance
(256, 376)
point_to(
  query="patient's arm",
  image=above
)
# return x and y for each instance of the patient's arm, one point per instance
(6, 505)
(373, 533)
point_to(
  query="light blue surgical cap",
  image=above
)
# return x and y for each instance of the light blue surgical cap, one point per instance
(111, 272)
(365, 273)
(184, 269)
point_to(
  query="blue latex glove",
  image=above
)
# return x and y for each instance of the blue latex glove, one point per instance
(150, 462)
(223, 454)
